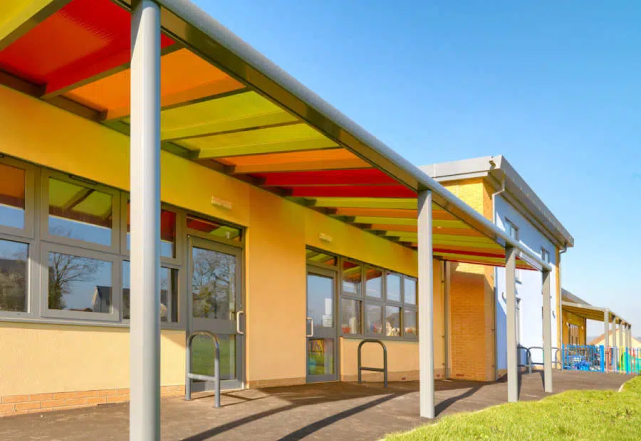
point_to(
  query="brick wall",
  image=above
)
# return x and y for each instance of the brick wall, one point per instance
(40, 403)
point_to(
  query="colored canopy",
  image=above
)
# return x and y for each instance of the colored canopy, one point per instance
(74, 54)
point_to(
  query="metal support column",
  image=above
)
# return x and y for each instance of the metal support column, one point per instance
(615, 360)
(425, 304)
(606, 334)
(547, 332)
(621, 339)
(144, 413)
(512, 351)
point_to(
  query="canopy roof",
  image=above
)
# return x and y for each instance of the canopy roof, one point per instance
(228, 108)
(578, 306)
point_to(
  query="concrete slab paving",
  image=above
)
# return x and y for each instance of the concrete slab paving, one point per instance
(334, 411)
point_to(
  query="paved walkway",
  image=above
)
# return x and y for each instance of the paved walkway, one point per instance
(330, 411)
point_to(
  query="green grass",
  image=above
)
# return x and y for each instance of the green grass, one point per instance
(572, 415)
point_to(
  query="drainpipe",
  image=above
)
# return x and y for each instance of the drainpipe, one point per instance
(496, 291)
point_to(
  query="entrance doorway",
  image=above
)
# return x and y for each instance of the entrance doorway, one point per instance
(216, 305)
(321, 325)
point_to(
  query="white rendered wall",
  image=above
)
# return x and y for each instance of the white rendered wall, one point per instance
(529, 290)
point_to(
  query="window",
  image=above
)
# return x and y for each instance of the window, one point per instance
(80, 212)
(210, 228)
(374, 283)
(392, 321)
(13, 276)
(350, 316)
(545, 255)
(409, 291)
(168, 293)
(373, 319)
(573, 333)
(12, 196)
(512, 230)
(351, 278)
(79, 284)
(314, 256)
(409, 321)
(167, 232)
(393, 287)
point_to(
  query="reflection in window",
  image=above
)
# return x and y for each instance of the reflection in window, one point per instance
(213, 284)
(167, 232)
(351, 278)
(392, 321)
(410, 291)
(79, 212)
(409, 322)
(79, 283)
(373, 322)
(12, 196)
(393, 287)
(319, 257)
(168, 293)
(350, 316)
(13, 276)
(202, 356)
(212, 228)
(374, 283)
(320, 356)
(320, 300)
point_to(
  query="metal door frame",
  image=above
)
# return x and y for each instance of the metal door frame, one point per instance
(211, 245)
(333, 274)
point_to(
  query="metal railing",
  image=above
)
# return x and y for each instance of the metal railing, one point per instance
(602, 359)
(372, 369)
(556, 360)
(191, 376)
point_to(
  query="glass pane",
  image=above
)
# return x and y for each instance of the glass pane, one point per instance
(409, 322)
(79, 283)
(213, 284)
(12, 196)
(373, 319)
(319, 257)
(351, 278)
(202, 356)
(350, 316)
(393, 287)
(79, 212)
(320, 356)
(410, 291)
(167, 232)
(392, 321)
(13, 276)
(320, 300)
(213, 228)
(374, 283)
(168, 293)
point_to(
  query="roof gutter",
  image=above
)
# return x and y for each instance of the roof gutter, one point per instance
(335, 124)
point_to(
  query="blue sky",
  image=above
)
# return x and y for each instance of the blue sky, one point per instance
(553, 86)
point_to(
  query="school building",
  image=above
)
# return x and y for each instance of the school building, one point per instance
(478, 296)
(159, 177)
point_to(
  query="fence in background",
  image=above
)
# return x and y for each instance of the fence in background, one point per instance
(601, 359)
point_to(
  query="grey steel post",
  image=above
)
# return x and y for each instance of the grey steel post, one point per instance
(144, 413)
(621, 338)
(425, 304)
(606, 328)
(512, 351)
(547, 332)
(615, 348)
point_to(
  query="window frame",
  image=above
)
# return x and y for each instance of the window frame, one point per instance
(31, 171)
(181, 226)
(545, 255)
(116, 284)
(47, 174)
(195, 233)
(32, 278)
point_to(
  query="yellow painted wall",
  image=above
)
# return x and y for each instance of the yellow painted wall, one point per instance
(42, 358)
(275, 277)
(569, 318)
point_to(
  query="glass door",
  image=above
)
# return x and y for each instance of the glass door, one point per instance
(321, 325)
(215, 302)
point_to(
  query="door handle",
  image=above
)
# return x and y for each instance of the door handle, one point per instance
(309, 319)
(238, 331)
